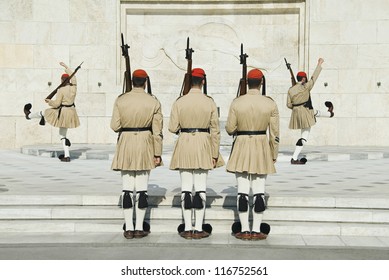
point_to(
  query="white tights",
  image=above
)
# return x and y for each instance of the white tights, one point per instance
(134, 182)
(256, 183)
(197, 179)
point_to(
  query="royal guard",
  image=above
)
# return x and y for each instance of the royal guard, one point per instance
(303, 115)
(194, 117)
(62, 113)
(137, 117)
(253, 154)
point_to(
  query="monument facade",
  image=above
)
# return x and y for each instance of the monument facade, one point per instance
(350, 35)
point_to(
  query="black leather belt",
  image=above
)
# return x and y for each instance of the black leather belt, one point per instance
(256, 132)
(136, 129)
(60, 108)
(191, 130)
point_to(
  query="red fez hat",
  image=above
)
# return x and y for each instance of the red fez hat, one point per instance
(255, 74)
(302, 74)
(198, 72)
(64, 76)
(139, 73)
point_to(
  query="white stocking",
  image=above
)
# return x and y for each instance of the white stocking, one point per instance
(258, 186)
(244, 188)
(62, 134)
(141, 182)
(128, 181)
(304, 136)
(186, 186)
(200, 185)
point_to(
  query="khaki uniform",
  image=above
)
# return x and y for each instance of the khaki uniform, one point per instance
(63, 112)
(253, 154)
(302, 116)
(136, 149)
(195, 150)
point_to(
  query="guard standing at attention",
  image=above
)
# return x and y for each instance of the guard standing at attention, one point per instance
(253, 153)
(194, 117)
(138, 119)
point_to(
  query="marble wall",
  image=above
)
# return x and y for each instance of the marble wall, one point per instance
(35, 35)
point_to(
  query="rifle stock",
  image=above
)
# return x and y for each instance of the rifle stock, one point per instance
(127, 86)
(54, 92)
(293, 79)
(188, 75)
(242, 89)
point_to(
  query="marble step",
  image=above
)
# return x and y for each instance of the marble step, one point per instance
(170, 226)
(174, 213)
(225, 200)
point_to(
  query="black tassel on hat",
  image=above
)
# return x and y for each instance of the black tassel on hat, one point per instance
(205, 85)
(263, 85)
(148, 85)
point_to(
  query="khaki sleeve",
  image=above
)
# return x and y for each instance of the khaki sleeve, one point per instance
(157, 126)
(215, 131)
(274, 131)
(57, 101)
(232, 122)
(289, 103)
(174, 124)
(314, 77)
(115, 119)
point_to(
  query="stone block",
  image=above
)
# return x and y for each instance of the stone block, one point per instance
(51, 10)
(16, 56)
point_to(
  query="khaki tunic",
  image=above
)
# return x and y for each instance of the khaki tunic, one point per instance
(253, 154)
(135, 151)
(195, 150)
(65, 95)
(302, 117)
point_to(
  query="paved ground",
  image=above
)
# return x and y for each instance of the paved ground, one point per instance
(335, 171)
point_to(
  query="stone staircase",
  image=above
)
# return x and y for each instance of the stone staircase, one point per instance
(338, 216)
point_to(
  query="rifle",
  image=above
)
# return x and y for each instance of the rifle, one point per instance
(242, 89)
(186, 85)
(127, 83)
(293, 79)
(51, 95)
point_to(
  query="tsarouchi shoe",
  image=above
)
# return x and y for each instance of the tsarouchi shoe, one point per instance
(245, 235)
(129, 234)
(298, 161)
(258, 236)
(27, 111)
(187, 234)
(199, 234)
(140, 233)
(63, 158)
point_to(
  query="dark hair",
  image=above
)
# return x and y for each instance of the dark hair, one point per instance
(138, 82)
(196, 81)
(299, 78)
(254, 83)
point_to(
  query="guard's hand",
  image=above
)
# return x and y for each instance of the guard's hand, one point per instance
(320, 61)
(63, 65)
(214, 161)
(157, 160)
